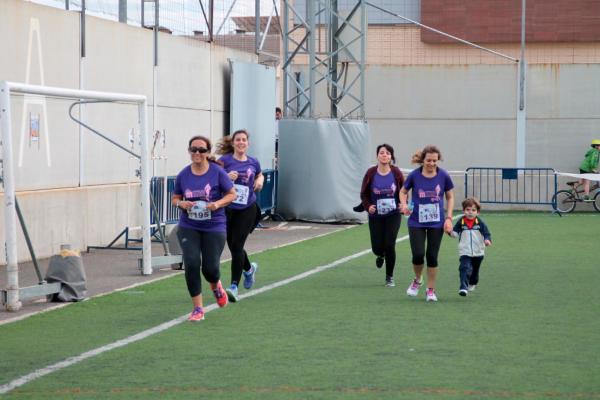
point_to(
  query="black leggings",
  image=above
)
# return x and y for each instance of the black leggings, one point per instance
(418, 236)
(239, 225)
(201, 251)
(384, 231)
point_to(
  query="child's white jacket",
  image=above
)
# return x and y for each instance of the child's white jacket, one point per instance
(471, 240)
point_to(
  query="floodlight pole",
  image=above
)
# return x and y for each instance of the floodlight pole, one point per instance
(10, 213)
(300, 40)
(522, 106)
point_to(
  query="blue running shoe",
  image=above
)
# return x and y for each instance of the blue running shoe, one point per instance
(249, 276)
(232, 293)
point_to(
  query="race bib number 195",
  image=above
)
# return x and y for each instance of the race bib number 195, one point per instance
(199, 212)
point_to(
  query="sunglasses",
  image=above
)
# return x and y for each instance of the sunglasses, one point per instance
(200, 150)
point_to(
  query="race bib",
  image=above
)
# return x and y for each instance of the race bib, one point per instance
(385, 206)
(199, 212)
(243, 192)
(429, 213)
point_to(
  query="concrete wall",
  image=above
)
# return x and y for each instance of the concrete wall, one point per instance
(473, 107)
(192, 89)
(469, 112)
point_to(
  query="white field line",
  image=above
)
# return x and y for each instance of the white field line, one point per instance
(52, 308)
(164, 326)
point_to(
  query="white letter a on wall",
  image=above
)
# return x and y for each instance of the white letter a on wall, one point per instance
(34, 28)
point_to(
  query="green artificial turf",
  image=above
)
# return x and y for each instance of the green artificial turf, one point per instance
(530, 330)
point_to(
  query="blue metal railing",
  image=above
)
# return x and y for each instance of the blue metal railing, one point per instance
(535, 186)
(267, 197)
(169, 214)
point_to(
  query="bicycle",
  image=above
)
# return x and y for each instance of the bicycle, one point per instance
(564, 201)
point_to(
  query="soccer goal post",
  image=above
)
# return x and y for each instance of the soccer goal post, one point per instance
(13, 302)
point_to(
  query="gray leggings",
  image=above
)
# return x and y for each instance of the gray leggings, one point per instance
(201, 252)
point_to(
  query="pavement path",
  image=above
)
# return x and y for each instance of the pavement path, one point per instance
(110, 270)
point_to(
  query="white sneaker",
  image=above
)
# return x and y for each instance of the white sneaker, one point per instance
(430, 295)
(471, 288)
(413, 289)
(389, 281)
(463, 292)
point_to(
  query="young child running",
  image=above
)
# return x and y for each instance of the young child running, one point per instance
(473, 236)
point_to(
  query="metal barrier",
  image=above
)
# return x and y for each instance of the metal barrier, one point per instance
(535, 186)
(266, 198)
(167, 213)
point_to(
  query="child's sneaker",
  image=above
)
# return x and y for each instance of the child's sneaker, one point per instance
(430, 295)
(232, 293)
(471, 288)
(389, 281)
(196, 315)
(463, 292)
(413, 289)
(587, 198)
(220, 295)
(379, 262)
(249, 276)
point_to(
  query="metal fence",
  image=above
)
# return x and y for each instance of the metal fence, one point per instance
(230, 23)
(169, 214)
(532, 186)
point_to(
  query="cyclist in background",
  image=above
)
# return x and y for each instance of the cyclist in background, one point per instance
(589, 165)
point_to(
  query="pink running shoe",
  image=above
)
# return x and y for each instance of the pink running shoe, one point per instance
(413, 289)
(430, 295)
(196, 315)
(220, 295)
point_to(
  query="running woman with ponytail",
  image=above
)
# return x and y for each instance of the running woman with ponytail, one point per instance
(427, 223)
(243, 214)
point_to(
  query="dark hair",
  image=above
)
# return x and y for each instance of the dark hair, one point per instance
(206, 140)
(225, 146)
(471, 202)
(388, 148)
(277, 109)
(419, 156)
(203, 138)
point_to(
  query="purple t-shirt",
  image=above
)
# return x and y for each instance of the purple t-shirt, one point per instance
(428, 198)
(203, 189)
(244, 184)
(382, 193)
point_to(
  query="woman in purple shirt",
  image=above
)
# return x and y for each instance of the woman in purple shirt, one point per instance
(379, 197)
(243, 214)
(202, 190)
(427, 222)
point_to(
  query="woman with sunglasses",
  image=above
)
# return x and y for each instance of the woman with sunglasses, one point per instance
(202, 191)
(243, 214)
